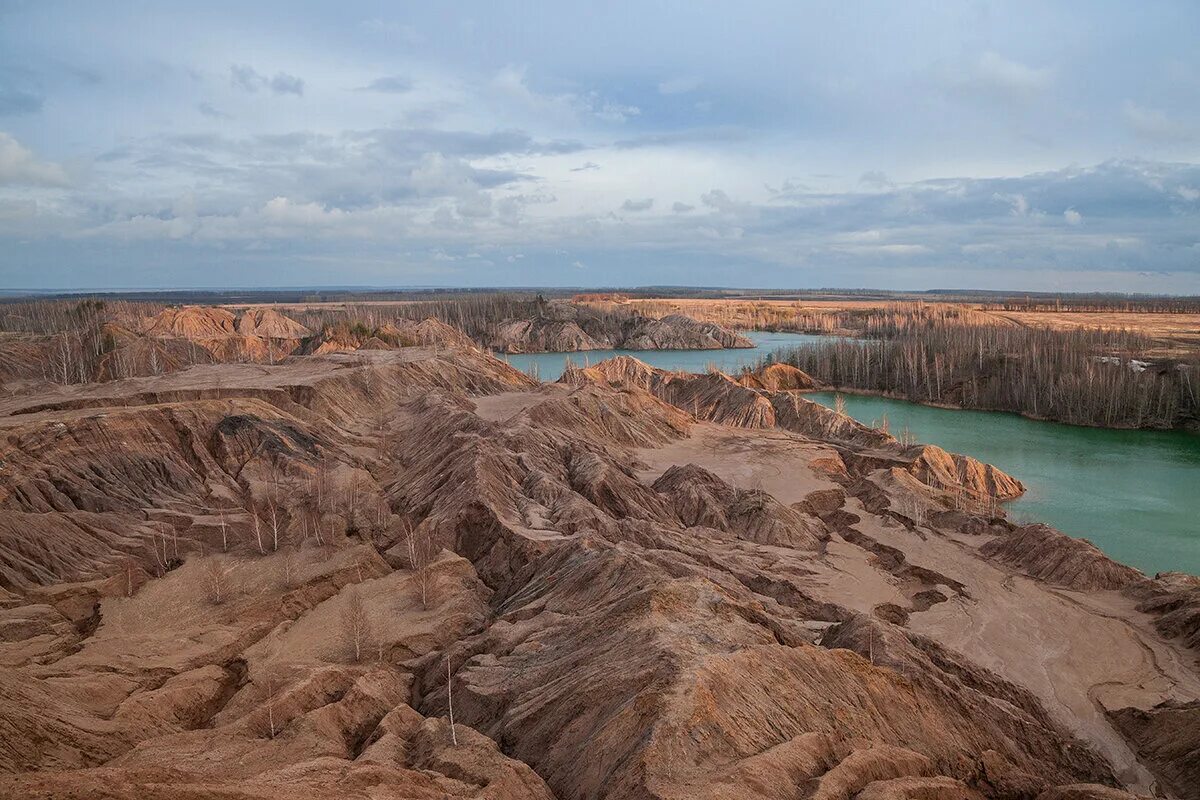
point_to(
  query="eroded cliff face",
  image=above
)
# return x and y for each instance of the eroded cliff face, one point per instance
(245, 581)
(566, 327)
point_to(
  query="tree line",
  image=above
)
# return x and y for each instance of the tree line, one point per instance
(951, 355)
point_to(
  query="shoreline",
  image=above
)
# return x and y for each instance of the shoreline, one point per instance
(1191, 428)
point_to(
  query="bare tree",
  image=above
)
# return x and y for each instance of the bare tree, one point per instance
(450, 700)
(420, 557)
(356, 624)
(272, 682)
(257, 528)
(215, 580)
(274, 526)
(287, 569)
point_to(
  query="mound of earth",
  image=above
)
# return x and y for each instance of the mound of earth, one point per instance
(779, 377)
(1047, 554)
(566, 327)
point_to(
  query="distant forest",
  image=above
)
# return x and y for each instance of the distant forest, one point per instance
(951, 355)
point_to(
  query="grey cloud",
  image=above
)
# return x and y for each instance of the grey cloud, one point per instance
(717, 199)
(283, 83)
(682, 208)
(638, 205)
(209, 110)
(586, 167)
(15, 101)
(391, 84)
(246, 78)
(414, 141)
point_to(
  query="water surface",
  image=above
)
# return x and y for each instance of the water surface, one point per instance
(1135, 494)
(550, 366)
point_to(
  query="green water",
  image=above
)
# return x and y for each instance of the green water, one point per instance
(550, 366)
(1135, 494)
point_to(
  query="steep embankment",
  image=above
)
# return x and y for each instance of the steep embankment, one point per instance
(566, 327)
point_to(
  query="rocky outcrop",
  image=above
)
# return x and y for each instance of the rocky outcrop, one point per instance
(701, 498)
(1167, 736)
(1049, 555)
(567, 327)
(1173, 598)
(715, 397)
(935, 467)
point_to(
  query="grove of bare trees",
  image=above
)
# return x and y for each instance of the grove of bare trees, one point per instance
(942, 354)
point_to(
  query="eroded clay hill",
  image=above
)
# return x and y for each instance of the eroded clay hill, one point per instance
(558, 326)
(271, 581)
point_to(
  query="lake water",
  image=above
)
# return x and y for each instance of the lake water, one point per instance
(550, 366)
(1135, 494)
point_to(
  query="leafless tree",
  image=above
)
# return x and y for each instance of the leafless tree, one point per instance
(356, 624)
(262, 551)
(420, 557)
(272, 684)
(288, 569)
(274, 526)
(214, 573)
(946, 353)
(450, 701)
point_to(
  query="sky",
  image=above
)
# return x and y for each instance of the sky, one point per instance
(1042, 146)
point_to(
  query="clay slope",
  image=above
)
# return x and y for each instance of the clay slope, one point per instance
(565, 327)
(1049, 555)
(715, 397)
(632, 584)
(175, 339)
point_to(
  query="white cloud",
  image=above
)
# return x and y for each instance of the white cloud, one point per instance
(1020, 204)
(991, 75)
(1152, 123)
(1073, 217)
(19, 167)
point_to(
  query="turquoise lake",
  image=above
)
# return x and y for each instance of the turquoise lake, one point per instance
(550, 366)
(1135, 494)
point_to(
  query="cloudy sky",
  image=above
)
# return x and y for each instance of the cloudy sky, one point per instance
(1013, 145)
